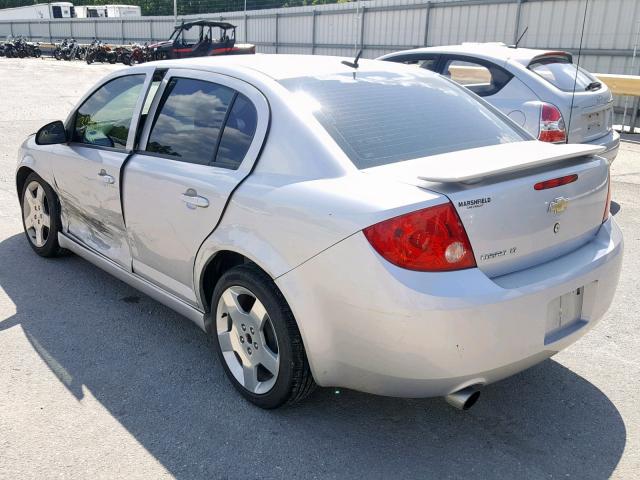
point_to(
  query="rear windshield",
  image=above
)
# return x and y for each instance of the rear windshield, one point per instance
(385, 117)
(561, 73)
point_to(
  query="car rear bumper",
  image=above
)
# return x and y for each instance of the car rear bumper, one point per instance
(611, 141)
(374, 327)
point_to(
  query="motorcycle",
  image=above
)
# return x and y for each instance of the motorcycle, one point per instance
(60, 47)
(138, 54)
(99, 52)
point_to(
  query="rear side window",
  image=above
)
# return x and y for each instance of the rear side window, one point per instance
(385, 117)
(238, 133)
(104, 119)
(190, 120)
(481, 79)
(561, 73)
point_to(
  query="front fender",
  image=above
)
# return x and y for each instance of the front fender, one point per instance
(29, 156)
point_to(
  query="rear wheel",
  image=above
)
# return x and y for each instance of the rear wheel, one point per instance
(257, 339)
(40, 216)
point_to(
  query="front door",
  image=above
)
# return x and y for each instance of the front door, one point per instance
(87, 169)
(205, 137)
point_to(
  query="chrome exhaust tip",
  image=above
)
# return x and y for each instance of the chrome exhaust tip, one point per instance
(463, 399)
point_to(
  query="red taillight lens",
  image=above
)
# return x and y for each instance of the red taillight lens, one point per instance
(552, 127)
(430, 240)
(555, 182)
(607, 206)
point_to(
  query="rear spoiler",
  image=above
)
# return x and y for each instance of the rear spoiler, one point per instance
(552, 54)
(468, 166)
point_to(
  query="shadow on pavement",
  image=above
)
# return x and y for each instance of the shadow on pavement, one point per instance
(157, 375)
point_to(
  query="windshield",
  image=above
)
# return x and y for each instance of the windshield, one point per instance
(386, 117)
(561, 73)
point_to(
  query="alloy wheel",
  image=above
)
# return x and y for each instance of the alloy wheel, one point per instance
(35, 212)
(247, 339)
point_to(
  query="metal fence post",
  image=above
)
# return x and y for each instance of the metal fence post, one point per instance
(313, 32)
(151, 29)
(95, 29)
(364, 9)
(276, 33)
(70, 28)
(11, 28)
(49, 26)
(29, 28)
(518, 12)
(122, 30)
(246, 34)
(426, 24)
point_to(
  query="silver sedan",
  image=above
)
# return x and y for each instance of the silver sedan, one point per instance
(356, 224)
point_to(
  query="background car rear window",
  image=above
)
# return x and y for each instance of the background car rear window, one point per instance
(386, 117)
(561, 73)
(104, 119)
(190, 118)
(238, 133)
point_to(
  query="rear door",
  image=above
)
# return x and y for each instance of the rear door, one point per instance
(201, 139)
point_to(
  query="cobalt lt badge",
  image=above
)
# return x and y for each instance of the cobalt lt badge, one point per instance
(558, 205)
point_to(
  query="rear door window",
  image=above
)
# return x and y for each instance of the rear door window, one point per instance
(189, 120)
(482, 78)
(561, 73)
(382, 117)
(238, 133)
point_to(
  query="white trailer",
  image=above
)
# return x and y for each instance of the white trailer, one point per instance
(38, 11)
(108, 11)
(123, 11)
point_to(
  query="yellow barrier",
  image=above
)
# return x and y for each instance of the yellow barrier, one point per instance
(621, 84)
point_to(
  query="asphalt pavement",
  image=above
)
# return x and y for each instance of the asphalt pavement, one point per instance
(99, 381)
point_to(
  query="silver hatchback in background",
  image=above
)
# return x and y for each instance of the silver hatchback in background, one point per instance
(533, 87)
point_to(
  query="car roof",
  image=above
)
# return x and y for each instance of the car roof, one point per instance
(280, 67)
(204, 23)
(488, 51)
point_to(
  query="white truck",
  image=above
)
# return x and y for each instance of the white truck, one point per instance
(107, 11)
(39, 11)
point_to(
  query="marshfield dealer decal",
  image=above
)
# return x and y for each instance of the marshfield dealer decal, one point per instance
(475, 203)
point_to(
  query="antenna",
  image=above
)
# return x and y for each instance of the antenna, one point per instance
(520, 37)
(353, 64)
(575, 80)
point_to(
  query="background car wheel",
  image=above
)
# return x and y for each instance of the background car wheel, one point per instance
(257, 339)
(40, 216)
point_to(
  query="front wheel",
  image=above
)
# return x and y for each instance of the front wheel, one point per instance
(40, 216)
(257, 339)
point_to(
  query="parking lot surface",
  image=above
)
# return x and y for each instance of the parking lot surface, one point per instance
(99, 381)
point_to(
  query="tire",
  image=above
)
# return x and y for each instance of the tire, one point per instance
(44, 205)
(90, 58)
(57, 54)
(112, 58)
(126, 59)
(241, 340)
(37, 53)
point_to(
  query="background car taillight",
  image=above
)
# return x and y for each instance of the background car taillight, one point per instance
(552, 128)
(432, 240)
(607, 206)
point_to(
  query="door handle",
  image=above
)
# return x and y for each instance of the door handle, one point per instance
(193, 200)
(106, 178)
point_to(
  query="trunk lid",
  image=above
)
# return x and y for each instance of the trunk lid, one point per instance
(592, 115)
(510, 224)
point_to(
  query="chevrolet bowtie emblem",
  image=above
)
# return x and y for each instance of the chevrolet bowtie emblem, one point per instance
(558, 205)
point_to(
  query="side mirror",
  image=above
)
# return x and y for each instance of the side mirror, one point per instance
(51, 134)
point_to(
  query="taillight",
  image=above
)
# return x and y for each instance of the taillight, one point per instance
(552, 127)
(432, 240)
(607, 206)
